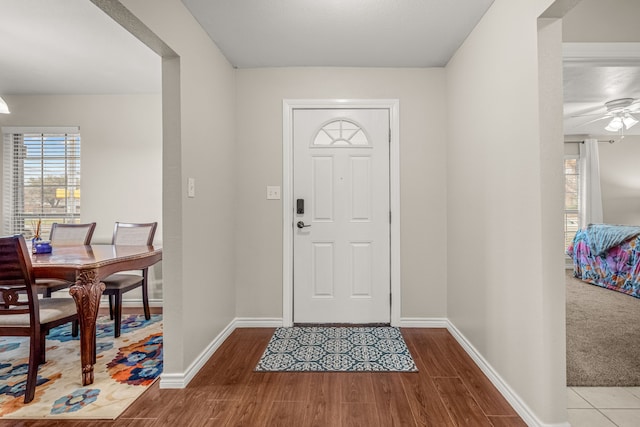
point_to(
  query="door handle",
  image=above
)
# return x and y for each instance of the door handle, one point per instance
(300, 224)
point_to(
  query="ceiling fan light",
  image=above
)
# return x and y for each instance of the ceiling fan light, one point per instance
(615, 125)
(4, 108)
(629, 121)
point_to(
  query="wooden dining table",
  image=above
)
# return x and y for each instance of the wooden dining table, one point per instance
(85, 267)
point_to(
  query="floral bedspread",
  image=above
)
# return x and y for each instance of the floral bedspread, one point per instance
(617, 267)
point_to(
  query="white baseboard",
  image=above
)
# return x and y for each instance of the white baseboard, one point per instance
(135, 302)
(423, 322)
(172, 380)
(258, 322)
(180, 380)
(127, 302)
(507, 392)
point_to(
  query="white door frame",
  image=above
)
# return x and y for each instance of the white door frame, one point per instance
(288, 105)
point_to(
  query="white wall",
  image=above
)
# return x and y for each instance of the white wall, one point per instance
(620, 181)
(121, 157)
(619, 177)
(121, 154)
(260, 93)
(199, 242)
(602, 21)
(498, 226)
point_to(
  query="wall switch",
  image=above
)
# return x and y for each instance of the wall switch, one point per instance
(191, 187)
(273, 192)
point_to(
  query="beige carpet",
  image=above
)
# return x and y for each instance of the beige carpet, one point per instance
(603, 336)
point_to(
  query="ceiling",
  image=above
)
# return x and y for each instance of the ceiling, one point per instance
(344, 33)
(595, 73)
(72, 47)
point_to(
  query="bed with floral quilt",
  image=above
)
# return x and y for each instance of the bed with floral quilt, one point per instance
(608, 256)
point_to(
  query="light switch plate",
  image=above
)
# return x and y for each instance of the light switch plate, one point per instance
(273, 192)
(191, 187)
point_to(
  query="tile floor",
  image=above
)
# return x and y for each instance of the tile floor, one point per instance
(604, 406)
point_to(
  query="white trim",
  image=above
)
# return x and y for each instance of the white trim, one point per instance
(133, 302)
(423, 322)
(602, 54)
(259, 322)
(394, 199)
(172, 380)
(182, 379)
(503, 387)
(129, 302)
(288, 105)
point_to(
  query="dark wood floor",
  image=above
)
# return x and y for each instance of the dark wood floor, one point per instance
(448, 390)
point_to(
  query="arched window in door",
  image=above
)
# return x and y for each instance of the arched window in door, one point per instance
(341, 132)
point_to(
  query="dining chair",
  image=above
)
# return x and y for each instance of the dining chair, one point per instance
(140, 234)
(71, 234)
(22, 313)
(65, 234)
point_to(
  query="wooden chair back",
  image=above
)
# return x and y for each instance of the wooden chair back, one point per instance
(21, 316)
(72, 234)
(16, 279)
(126, 233)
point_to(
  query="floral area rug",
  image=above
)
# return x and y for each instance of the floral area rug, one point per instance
(124, 367)
(348, 349)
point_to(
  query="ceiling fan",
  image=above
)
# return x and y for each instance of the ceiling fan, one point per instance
(620, 113)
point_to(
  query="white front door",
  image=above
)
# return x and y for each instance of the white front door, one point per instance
(341, 242)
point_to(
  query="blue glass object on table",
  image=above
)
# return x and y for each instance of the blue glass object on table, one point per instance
(39, 246)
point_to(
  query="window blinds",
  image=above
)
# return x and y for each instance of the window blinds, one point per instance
(41, 179)
(571, 199)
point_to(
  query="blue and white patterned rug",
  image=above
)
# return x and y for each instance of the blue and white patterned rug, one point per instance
(344, 349)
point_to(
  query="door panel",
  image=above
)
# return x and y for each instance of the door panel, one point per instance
(322, 265)
(322, 195)
(342, 254)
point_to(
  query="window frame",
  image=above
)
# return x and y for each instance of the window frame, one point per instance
(57, 149)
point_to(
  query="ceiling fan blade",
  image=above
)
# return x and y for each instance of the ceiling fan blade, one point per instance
(588, 115)
(594, 120)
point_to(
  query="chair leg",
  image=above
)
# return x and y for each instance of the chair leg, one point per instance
(145, 299)
(47, 293)
(32, 373)
(74, 328)
(117, 309)
(43, 347)
(110, 306)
